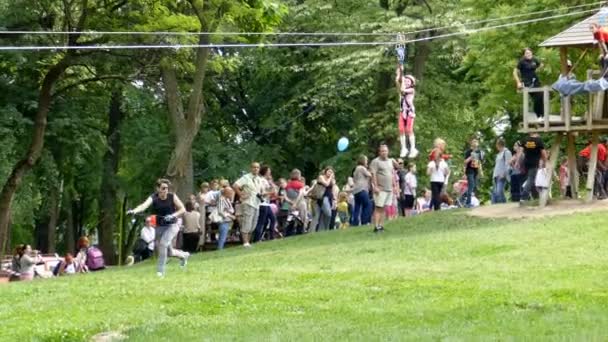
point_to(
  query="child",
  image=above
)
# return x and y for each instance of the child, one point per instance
(411, 183)
(564, 179)
(407, 114)
(342, 209)
(424, 202)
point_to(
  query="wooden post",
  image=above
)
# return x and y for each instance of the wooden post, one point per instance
(563, 58)
(567, 111)
(526, 107)
(572, 169)
(595, 136)
(547, 105)
(544, 198)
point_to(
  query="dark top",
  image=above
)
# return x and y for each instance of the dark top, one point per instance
(162, 208)
(527, 69)
(472, 167)
(402, 185)
(533, 146)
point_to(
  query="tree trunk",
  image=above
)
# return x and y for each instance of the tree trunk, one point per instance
(70, 228)
(185, 122)
(109, 186)
(35, 149)
(54, 211)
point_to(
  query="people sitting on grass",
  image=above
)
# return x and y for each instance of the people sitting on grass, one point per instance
(28, 259)
(423, 203)
(68, 266)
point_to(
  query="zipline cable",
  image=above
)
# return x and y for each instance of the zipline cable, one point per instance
(258, 45)
(333, 34)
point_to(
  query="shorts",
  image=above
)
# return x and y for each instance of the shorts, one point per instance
(383, 199)
(406, 125)
(249, 218)
(408, 201)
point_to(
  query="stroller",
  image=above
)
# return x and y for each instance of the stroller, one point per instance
(294, 226)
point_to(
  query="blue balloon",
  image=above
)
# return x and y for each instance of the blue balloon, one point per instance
(342, 144)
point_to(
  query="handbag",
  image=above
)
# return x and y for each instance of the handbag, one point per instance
(215, 216)
(318, 191)
(542, 178)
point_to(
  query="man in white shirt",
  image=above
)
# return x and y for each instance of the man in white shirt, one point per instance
(382, 170)
(249, 189)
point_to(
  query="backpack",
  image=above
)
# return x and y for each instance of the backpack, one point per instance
(95, 259)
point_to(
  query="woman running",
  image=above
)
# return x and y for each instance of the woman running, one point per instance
(167, 207)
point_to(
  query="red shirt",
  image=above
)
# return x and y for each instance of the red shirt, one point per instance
(445, 157)
(601, 152)
(295, 185)
(601, 35)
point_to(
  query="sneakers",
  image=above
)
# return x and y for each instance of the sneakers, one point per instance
(413, 153)
(184, 261)
(247, 245)
(404, 152)
(160, 275)
(378, 229)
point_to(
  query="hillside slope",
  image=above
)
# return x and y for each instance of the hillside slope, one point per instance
(434, 276)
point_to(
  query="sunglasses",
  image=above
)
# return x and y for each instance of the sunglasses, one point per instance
(164, 188)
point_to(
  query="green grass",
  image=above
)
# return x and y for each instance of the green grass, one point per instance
(444, 276)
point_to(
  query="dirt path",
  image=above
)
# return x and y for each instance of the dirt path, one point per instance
(514, 211)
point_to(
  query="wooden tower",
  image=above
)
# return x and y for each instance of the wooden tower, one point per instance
(593, 120)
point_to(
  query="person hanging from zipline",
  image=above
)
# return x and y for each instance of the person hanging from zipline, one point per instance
(406, 86)
(600, 34)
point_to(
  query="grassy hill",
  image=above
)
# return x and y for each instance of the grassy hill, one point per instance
(432, 277)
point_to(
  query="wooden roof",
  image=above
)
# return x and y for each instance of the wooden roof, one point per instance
(576, 36)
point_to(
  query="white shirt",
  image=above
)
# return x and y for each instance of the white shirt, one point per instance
(411, 183)
(265, 184)
(70, 269)
(438, 174)
(148, 234)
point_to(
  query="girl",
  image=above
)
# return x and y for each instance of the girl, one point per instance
(438, 171)
(342, 208)
(406, 85)
(362, 213)
(167, 207)
(226, 211)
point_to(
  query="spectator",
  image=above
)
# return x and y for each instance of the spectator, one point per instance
(342, 210)
(438, 171)
(585, 156)
(525, 76)
(325, 199)
(81, 256)
(266, 218)
(27, 262)
(16, 264)
(68, 266)
(249, 189)
(192, 228)
(409, 189)
(401, 173)
(295, 191)
(501, 172)
(517, 171)
(534, 152)
(203, 211)
(145, 245)
(226, 210)
(423, 204)
(362, 184)
(210, 202)
(564, 179)
(283, 204)
(473, 168)
(382, 170)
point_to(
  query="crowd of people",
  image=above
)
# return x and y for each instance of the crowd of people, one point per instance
(256, 207)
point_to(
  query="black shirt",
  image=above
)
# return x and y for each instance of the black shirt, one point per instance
(472, 166)
(162, 208)
(527, 69)
(533, 147)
